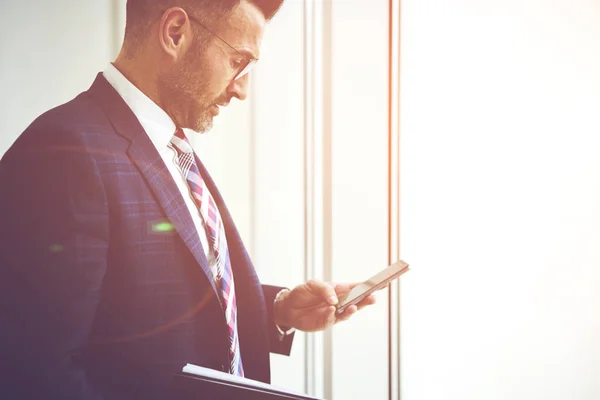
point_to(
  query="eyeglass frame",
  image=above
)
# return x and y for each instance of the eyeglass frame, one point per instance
(250, 62)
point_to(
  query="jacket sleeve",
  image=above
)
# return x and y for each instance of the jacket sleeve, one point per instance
(279, 344)
(53, 257)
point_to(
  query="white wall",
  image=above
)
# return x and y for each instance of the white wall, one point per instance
(50, 51)
(500, 195)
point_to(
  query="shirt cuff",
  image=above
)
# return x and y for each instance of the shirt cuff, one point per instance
(282, 330)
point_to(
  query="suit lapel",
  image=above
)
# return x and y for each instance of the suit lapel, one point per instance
(147, 159)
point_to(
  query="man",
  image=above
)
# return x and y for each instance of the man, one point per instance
(119, 260)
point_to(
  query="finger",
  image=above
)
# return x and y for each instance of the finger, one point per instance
(348, 312)
(341, 288)
(369, 300)
(323, 309)
(323, 290)
(330, 317)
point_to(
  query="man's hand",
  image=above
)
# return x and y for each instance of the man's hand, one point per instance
(310, 307)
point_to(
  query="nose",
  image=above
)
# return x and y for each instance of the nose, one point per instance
(239, 88)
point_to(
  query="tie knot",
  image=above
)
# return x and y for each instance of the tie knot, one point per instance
(181, 142)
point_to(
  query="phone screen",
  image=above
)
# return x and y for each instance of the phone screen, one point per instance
(369, 286)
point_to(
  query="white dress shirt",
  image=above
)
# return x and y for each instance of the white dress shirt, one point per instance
(160, 128)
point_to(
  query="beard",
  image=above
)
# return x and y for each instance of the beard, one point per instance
(185, 95)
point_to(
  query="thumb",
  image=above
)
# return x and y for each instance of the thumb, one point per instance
(323, 290)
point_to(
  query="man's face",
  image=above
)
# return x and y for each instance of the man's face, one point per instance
(203, 79)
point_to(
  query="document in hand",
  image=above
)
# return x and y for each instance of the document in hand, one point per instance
(205, 383)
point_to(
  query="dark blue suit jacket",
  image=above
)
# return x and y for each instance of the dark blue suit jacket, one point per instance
(105, 291)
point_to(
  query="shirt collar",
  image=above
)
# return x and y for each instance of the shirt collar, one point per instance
(155, 121)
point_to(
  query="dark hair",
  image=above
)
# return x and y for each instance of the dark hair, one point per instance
(142, 13)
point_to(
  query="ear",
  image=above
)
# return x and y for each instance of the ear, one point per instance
(174, 32)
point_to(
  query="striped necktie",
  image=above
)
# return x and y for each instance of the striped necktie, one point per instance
(217, 241)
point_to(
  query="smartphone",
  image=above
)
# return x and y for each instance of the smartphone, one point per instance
(376, 282)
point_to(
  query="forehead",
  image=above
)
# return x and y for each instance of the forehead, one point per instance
(244, 28)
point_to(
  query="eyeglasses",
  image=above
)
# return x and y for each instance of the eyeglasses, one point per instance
(249, 62)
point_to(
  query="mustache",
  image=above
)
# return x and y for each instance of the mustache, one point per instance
(223, 101)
